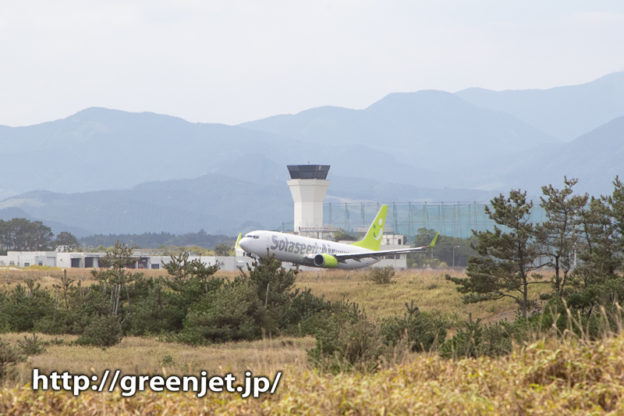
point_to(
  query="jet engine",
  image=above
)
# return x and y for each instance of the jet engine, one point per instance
(325, 260)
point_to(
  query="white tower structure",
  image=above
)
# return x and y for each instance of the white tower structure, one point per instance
(308, 185)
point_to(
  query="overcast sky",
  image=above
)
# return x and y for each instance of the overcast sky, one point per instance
(234, 61)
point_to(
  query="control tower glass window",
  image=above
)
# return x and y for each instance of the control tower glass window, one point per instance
(308, 171)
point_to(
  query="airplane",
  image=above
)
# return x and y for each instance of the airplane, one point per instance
(316, 252)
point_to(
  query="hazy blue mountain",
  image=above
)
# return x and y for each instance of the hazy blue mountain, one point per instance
(109, 171)
(216, 203)
(108, 149)
(345, 160)
(563, 112)
(594, 158)
(433, 130)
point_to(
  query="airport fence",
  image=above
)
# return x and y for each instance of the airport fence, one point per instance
(455, 219)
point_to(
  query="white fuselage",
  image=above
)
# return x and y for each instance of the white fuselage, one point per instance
(300, 250)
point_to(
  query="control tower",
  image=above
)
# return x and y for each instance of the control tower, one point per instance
(308, 185)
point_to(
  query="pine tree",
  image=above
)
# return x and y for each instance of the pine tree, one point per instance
(559, 235)
(505, 258)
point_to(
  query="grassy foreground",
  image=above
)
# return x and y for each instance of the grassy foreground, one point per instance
(147, 355)
(427, 288)
(555, 378)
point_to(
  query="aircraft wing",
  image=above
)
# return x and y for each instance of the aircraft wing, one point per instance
(382, 253)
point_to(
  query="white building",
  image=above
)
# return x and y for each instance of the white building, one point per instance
(391, 242)
(68, 260)
(29, 258)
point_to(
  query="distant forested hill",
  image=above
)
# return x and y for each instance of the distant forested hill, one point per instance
(155, 240)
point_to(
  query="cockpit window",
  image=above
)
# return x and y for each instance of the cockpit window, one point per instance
(252, 236)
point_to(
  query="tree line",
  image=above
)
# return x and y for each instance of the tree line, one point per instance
(581, 241)
(158, 240)
(448, 251)
(21, 234)
(190, 305)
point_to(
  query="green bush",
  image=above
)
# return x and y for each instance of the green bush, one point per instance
(32, 345)
(476, 340)
(421, 331)
(381, 275)
(346, 340)
(62, 321)
(167, 360)
(155, 309)
(24, 306)
(300, 315)
(9, 357)
(232, 313)
(581, 316)
(102, 331)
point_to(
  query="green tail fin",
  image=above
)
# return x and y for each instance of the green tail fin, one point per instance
(238, 241)
(372, 239)
(433, 242)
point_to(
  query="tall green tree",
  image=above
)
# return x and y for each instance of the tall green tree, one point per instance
(616, 203)
(559, 235)
(453, 251)
(595, 280)
(505, 258)
(598, 254)
(114, 276)
(179, 266)
(223, 249)
(21, 234)
(66, 239)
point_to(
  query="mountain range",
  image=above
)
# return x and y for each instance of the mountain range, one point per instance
(110, 171)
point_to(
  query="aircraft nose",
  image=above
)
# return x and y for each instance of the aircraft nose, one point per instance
(244, 243)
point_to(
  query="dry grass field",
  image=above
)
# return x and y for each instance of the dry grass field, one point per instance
(48, 276)
(544, 378)
(143, 355)
(558, 378)
(427, 288)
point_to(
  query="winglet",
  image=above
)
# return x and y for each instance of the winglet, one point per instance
(433, 242)
(238, 241)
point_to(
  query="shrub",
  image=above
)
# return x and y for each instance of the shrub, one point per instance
(167, 360)
(588, 322)
(301, 313)
(63, 321)
(421, 331)
(232, 313)
(24, 306)
(32, 345)
(381, 275)
(350, 346)
(8, 358)
(476, 340)
(155, 309)
(102, 331)
(346, 340)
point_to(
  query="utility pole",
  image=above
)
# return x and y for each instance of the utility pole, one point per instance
(454, 247)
